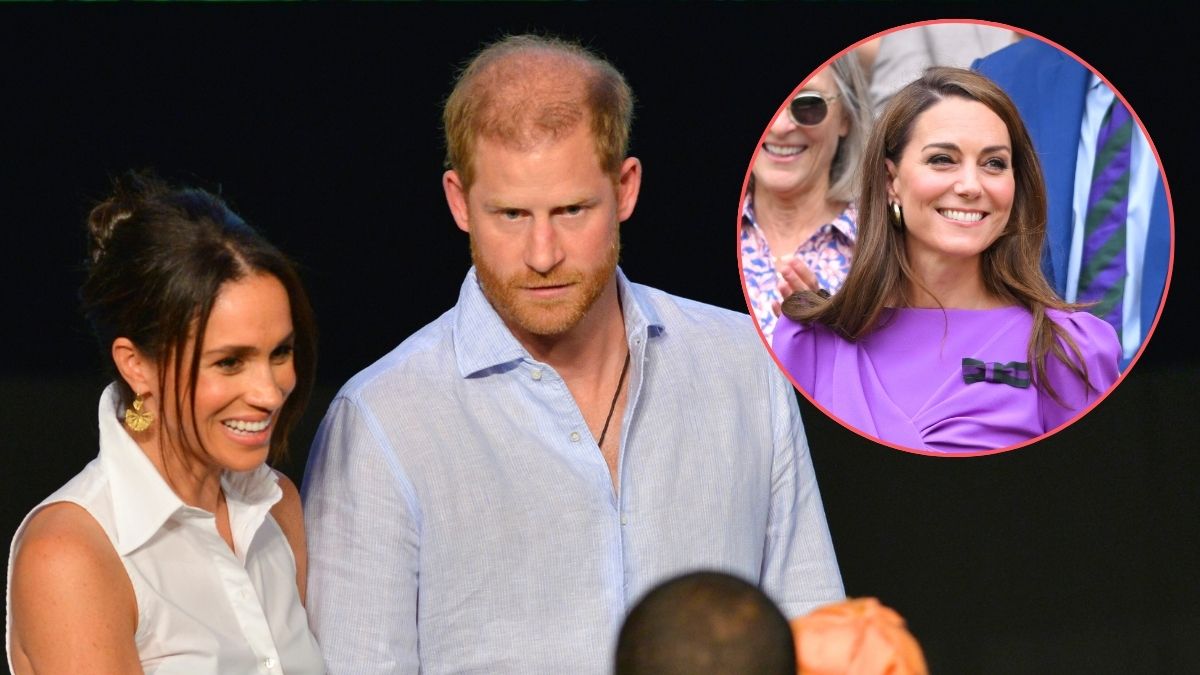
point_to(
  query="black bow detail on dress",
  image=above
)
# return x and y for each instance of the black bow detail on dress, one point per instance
(1013, 373)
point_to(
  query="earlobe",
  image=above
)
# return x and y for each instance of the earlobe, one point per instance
(456, 199)
(629, 183)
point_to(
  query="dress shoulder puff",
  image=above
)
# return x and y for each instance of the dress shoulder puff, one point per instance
(1101, 354)
(796, 346)
(1096, 339)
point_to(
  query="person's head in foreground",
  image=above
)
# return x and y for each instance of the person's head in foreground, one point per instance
(211, 345)
(705, 623)
(537, 132)
(952, 218)
(856, 637)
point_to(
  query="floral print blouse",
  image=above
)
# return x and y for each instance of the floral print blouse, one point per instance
(828, 253)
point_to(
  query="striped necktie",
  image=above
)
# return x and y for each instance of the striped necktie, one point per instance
(1102, 271)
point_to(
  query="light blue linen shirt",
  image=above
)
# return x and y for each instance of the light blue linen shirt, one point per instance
(461, 518)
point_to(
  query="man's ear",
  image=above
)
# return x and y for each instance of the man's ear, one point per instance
(629, 183)
(134, 367)
(456, 198)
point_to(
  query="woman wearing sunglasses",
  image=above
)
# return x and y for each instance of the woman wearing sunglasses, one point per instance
(797, 218)
(946, 336)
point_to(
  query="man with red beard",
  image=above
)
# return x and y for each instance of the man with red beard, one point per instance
(493, 494)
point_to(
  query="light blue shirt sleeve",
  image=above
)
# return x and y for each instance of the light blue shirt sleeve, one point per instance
(362, 590)
(799, 565)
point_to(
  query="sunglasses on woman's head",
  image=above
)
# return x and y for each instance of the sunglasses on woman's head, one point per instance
(810, 108)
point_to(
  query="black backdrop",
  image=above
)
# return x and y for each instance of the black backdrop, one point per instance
(321, 124)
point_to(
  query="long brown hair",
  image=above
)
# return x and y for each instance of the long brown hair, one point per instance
(1011, 266)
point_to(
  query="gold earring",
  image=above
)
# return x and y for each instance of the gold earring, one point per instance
(897, 216)
(136, 419)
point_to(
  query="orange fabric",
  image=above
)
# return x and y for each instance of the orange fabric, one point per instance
(856, 637)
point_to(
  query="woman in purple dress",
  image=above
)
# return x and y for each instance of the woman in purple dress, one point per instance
(946, 336)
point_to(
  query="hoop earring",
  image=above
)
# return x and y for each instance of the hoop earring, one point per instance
(136, 419)
(896, 216)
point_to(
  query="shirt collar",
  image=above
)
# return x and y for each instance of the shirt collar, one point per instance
(748, 210)
(249, 496)
(844, 222)
(142, 500)
(640, 315)
(483, 342)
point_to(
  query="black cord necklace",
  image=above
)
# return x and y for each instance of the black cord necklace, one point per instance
(616, 395)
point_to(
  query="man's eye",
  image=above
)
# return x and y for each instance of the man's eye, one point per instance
(573, 210)
(510, 214)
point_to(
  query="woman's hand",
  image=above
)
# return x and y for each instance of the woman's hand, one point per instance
(794, 276)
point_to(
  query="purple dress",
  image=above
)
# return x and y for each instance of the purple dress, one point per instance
(952, 381)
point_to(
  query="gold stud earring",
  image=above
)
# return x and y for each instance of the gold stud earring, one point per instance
(896, 216)
(137, 419)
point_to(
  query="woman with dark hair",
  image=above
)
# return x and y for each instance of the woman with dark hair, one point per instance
(798, 219)
(177, 549)
(947, 336)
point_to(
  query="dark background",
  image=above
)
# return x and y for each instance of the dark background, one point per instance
(321, 125)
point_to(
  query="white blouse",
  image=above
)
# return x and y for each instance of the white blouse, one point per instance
(202, 608)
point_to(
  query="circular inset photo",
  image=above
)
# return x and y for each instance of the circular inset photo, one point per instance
(955, 237)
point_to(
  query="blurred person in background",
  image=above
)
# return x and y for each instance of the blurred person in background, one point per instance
(1108, 240)
(798, 219)
(900, 56)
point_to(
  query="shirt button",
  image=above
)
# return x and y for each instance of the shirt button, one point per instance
(269, 663)
(536, 375)
(574, 436)
(624, 519)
